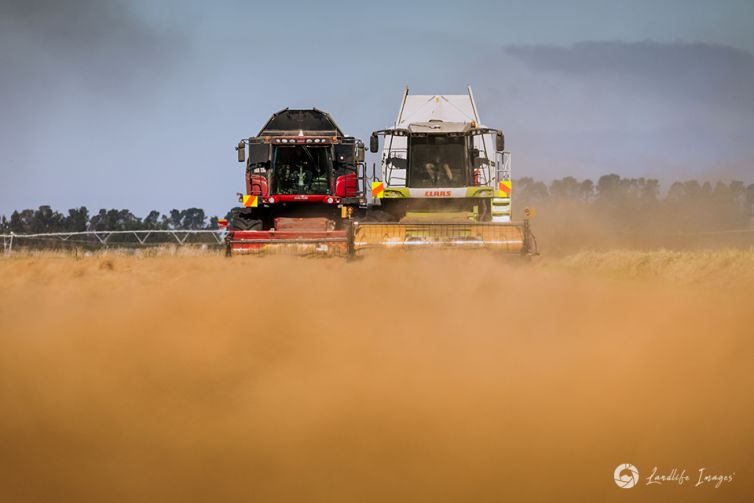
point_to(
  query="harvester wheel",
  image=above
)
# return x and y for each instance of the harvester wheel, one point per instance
(241, 220)
(247, 224)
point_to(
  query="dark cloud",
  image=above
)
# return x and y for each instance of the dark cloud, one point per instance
(74, 76)
(101, 45)
(712, 75)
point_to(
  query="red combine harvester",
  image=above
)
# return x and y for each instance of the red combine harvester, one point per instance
(302, 186)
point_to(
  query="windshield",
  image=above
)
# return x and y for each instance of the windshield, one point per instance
(301, 169)
(437, 161)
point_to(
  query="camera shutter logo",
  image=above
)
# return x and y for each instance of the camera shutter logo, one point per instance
(626, 476)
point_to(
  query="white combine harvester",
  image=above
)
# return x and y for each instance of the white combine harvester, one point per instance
(446, 181)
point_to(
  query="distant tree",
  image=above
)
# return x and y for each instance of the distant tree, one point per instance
(45, 219)
(188, 219)
(115, 220)
(730, 202)
(174, 219)
(127, 221)
(152, 221)
(193, 219)
(99, 222)
(527, 191)
(565, 188)
(676, 192)
(77, 219)
(649, 189)
(607, 186)
(749, 205)
(20, 222)
(586, 191)
(689, 190)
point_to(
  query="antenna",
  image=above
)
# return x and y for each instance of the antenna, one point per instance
(473, 104)
(403, 104)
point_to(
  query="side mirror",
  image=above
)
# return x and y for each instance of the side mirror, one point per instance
(360, 153)
(374, 143)
(499, 142)
(241, 149)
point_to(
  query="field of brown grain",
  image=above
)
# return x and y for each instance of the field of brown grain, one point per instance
(417, 377)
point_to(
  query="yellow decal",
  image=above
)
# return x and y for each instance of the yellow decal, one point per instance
(504, 188)
(250, 201)
(378, 190)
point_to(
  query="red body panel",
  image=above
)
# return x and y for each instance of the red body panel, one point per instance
(256, 185)
(326, 242)
(347, 185)
(304, 224)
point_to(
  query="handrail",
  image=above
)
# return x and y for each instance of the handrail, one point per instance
(179, 237)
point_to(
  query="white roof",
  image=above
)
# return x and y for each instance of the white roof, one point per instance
(437, 107)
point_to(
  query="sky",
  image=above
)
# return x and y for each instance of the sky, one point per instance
(138, 105)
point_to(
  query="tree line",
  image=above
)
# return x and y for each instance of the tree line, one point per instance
(632, 202)
(630, 212)
(44, 219)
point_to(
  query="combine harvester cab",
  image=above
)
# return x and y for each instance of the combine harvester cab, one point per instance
(303, 186)
(446, 182)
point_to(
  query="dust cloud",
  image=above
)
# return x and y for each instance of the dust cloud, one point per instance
(567, 227)
(419, 377)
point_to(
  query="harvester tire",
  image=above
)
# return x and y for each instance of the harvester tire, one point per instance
(242, 221)
(247, 224)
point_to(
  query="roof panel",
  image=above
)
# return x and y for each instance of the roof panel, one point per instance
(447, 108)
